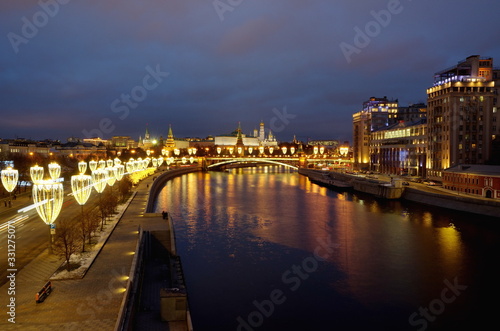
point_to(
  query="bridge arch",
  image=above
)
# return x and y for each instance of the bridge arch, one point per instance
(239, 160)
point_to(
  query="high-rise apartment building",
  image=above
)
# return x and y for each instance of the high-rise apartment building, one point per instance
(374, 116)
(460, 108)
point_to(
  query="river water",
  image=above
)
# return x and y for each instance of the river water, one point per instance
(266, 249)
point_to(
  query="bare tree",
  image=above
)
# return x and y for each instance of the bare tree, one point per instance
(66, 239)
(92, 220)
(124, 187)
(107, 204)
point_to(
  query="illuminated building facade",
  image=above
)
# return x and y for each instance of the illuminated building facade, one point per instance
(400, 149)
(374, 116)
(259, 139)
(459, 112)
(482, 180)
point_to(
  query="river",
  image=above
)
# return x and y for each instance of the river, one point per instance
(265, 249)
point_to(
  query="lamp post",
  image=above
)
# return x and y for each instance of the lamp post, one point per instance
(81, 186)
(99, 181)
(9, 180)
(82, 167)
(48, 197)
(54, 170)
(36, 173)
(93, 165)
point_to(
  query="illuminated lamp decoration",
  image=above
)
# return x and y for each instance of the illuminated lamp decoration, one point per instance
(36, 173)
(9, 178)
(54, 170)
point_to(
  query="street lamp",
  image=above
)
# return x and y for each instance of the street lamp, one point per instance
(130, 167)
(120, 171)
(111, 179)
(92, 165)
(81, 186)
(99, 179)
(48, 197)
(54, 170)
(36, 173)
(82, 167)
(9, 179)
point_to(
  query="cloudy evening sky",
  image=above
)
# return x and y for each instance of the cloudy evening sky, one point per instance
(115, 66)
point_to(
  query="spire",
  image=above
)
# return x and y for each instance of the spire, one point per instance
(170, 134)
(239, 139)
(170, 138)
(146, 135)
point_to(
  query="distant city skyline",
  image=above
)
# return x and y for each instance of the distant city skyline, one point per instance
(70, 68)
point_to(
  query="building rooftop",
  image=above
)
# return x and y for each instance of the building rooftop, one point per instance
(476, 169)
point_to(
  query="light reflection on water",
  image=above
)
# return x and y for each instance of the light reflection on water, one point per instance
(239, 232)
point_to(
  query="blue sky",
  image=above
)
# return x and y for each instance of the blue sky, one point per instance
(65, 70)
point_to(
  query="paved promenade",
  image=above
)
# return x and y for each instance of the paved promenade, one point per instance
(91, 303)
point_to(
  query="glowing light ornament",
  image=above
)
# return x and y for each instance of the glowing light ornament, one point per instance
(160, 161)
(82, 167)
(250, 150)
(231, 150)
(184, 160)
(284, 149)
(54, 170)
(148, 152)
(191, 159)
(36, 173)
(111, 180)
(240, 150)
(315, 150)
(99, 179)
(130, 167)
(102, 164)
(109, 163)
(195, 150)
(177, 151)
(292, 150)
(81, 186)
(169, 161)
(219, 150)
(261, 149)
(93, 165)
(155, 162)
(9, 178)
(146, 162)
(120, 171)
(271, 150)
(117, 161)
(48, 197)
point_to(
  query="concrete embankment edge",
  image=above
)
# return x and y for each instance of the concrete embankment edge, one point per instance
(160, 181)
(460, 203)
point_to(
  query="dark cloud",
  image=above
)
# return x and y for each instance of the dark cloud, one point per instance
(264, 55)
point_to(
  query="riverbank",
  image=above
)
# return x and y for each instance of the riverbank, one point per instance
(420, 193)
